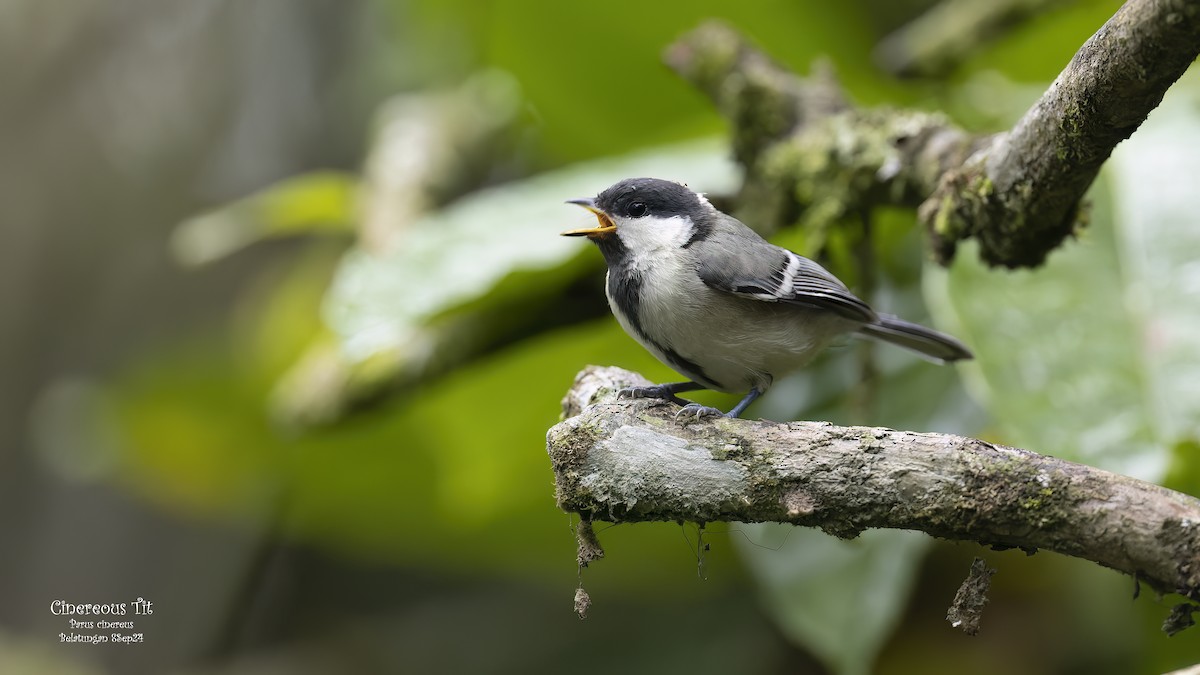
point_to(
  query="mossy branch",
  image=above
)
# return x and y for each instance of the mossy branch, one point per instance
(1018, 193)
(630, 460)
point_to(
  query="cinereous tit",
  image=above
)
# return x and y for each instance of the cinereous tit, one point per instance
(716, 302)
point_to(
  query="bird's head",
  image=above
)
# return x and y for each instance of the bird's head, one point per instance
(645, 214)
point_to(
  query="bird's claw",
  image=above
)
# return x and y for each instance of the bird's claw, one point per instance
(696, 412)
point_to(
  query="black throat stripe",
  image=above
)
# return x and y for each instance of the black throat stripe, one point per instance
(625, 286)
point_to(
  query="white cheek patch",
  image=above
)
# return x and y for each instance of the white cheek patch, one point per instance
(652, 236)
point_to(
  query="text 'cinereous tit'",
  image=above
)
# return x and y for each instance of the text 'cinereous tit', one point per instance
(719, 304)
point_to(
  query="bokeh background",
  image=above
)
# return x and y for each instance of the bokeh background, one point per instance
(285, 319)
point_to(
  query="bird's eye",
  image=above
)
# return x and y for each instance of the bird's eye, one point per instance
(638, 209)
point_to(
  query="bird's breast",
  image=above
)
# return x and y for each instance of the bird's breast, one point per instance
(720, 340)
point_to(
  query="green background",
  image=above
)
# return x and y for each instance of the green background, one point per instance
(196, 332)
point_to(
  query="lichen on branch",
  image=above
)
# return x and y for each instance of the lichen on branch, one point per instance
(1018, 192)
(629, 460)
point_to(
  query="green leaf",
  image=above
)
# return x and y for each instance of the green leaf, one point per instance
(1057, 360)
(1153, 178)
(1093, 356)
(458, 254)
(840, 599)
(462, 278)
(319, 202)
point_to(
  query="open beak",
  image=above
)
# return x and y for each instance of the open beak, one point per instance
(605, 228)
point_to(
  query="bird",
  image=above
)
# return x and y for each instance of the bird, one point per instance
(720, 305)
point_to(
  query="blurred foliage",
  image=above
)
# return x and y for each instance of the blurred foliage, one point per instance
(1153, 191)
(405, 315)
(407, 483)
(604, 91)
(1090, 358)
(30, 657)
(1055, 398)
(457, 255)
(841, 599)
(1107, 327)
(312, 203)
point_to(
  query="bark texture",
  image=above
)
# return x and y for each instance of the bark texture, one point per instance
(966, 611)
(813, 157)
(630, 460)
(1020, 196)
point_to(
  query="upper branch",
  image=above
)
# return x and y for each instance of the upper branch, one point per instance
(630, 461)
(1018, 192)
(1019, 197)
(935, 42)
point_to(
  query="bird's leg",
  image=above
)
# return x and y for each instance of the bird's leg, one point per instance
(663, 391)
(738, 409)
(698, 411)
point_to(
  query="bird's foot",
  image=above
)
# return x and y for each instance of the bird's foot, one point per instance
(660, 391)
(695, 412)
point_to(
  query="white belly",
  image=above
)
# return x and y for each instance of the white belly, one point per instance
(737, 343)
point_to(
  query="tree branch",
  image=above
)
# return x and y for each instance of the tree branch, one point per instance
(631, 461)
(936, 42)
(809, 154)
(1019, 196)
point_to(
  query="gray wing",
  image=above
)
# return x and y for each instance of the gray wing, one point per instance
(744, 264)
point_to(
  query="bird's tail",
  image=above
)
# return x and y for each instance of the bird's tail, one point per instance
(925, 341)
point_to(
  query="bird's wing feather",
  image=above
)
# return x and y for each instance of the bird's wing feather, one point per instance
(750, 267)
